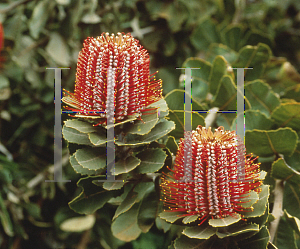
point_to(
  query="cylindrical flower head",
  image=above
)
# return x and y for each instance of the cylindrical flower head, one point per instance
(129, 86)
(1, 37)
(1, 42)
(218, 180)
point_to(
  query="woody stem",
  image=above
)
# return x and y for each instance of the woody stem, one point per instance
(277, 208)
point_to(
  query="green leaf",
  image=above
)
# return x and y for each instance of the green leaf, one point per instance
(63, 2)
(280, 170)
(237, 230)
(249, 199)
(189, 219)
(205, 33)
(162, 106)
(33, 77)
(225, 221)
(202, 73)
(200, 89)
(270, 218)
(118, 200)
(232, 36)
(81, 126)
(39, 17)
(5, 219)
(261, 97)
(255, 57)
(271, 246)
(98, 138)
(162, 224)
(294, 160)
(178, 118)
(103, 230)
(285, 236)
(170, 45)
(200, 232)
(225, 97)
(114, 185)
(226, 120)
(126, 165)
(4, 82)
(255, 119)
(125, 227)
(148, 210)
(14, 26)
(176, 14)
(268, 143)
(130, 118)
(255, 37)
(261, 220)
(91, 158)
(144, 126)
(80, 169)
(74, 136)
(221, 49)
(151, 160)
(152, 40)
(259, 208)
(171, 216)
(150, 240)
(92, 197)
(293, 92)
(78, 224)
(91, 18)
(287, 115)
(184, 242)
(218, 70)
(169, 78)
(172, 145)
(259, 240)
(58, 50)
(291, 200)
(142, 188)
(294, 222)
(126, 204)
(200, 80)
(162, 128)
(175, 101)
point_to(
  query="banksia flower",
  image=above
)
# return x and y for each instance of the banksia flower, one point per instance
(129, 86)
(1, 37)
(212, 181)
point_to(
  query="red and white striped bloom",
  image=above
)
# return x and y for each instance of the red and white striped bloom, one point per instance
(218, 181)
(1, 37)
(130, 84)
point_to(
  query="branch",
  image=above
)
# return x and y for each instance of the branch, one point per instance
(277, 208)
(239, 9)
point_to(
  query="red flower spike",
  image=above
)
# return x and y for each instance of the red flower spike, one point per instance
(218, 183)
(1, 37)
(134, 88)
